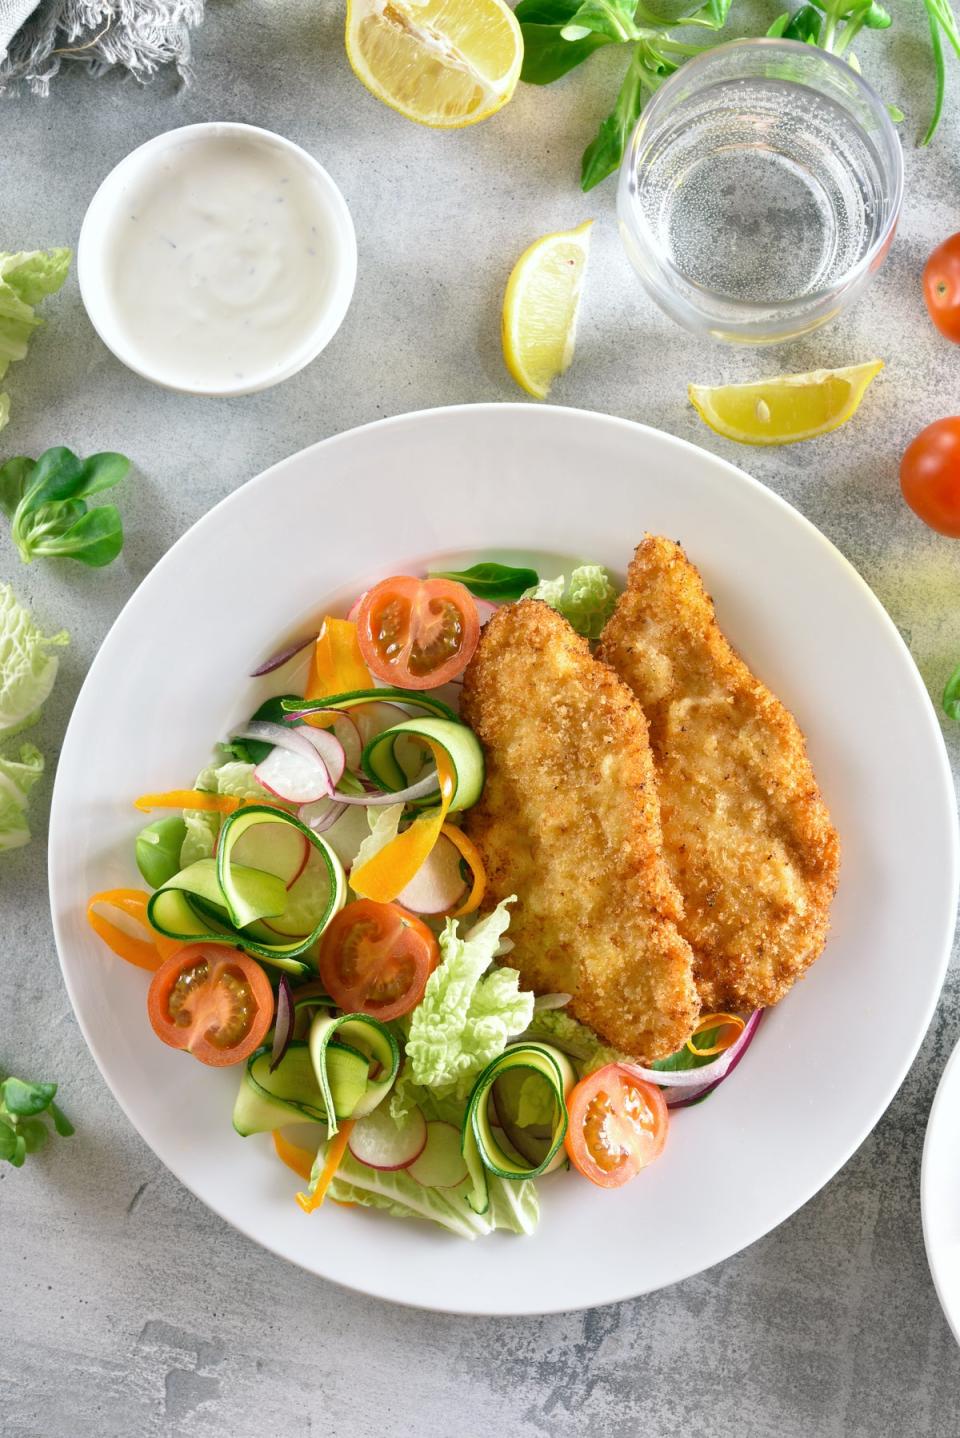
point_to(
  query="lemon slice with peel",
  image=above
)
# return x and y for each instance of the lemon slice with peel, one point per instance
(787, 409)
(445, 63)
(540, 308)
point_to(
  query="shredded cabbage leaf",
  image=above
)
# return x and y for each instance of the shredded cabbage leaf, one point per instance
(25, 279)
(587, 601)
(27, 666)
(17, 778)
(233, 778)
(466, 1015)
(384, 827)
(513, 1205)
(588, 1052)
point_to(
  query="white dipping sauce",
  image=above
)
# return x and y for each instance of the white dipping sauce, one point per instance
(218, 264)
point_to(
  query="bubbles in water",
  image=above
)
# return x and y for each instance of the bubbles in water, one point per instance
(761, 190)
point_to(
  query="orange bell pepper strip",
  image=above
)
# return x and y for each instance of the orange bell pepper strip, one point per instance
(199, 799)
(384, 876)
(188, 799)
(337, 667)
(148, 953)
(336, 1148)
(734, 1025)
(471, 853)
(295, 1157)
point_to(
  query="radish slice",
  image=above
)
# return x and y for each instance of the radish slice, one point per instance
(355, 607)
(328, 747)
(441, 1164)
(371, 719)
(297, 778)
(438, 885)
(380, 1142)
(306, 899)
(276, 848)
(349, 735)
(485, 610)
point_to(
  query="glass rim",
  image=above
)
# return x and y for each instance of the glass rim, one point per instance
(745, 308)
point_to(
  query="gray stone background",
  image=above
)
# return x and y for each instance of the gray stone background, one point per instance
(127, 1308)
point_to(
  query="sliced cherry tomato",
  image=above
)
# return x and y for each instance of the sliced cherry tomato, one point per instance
(941, 287)
(376, 958)
(214, 1002)
(930, 476)
(417, 633)
(617, 1125)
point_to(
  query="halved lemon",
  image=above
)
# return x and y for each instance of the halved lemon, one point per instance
(540, 308)
(445, 63)
(786, 409)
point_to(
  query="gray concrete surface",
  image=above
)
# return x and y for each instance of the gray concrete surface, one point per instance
(127, 1308)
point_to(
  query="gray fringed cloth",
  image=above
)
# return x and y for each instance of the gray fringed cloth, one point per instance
(36, 36)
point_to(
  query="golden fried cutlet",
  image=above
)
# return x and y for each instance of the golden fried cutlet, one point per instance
(569, 822)
(747, 836)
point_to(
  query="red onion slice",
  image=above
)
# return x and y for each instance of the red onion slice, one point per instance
(322, 815)
(278, 734)
(685, 1098)
(419, 790)
(550, 1001)
(283, 1022)
(485, 610)
(707, 1075)
(283, 656)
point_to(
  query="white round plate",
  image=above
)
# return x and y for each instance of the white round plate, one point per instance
(940, 1191)
(528, 481)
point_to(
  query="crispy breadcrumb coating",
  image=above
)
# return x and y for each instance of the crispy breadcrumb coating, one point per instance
(569, 822)
(747, 837)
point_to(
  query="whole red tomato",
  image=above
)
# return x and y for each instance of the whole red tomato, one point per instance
(941, 287)
(930, 476)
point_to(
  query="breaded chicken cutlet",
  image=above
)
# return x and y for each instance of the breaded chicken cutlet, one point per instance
(747, 837)
(569, 822)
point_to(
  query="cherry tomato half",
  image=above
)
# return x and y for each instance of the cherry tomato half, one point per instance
(941, 287)
(214, 1002)
(417, 633)
(617, 1125)
(376, 958)
(930, 476)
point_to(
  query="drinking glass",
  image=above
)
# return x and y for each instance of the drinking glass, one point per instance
(760, 190)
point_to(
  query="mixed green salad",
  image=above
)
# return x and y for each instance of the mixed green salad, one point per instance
(315, 917)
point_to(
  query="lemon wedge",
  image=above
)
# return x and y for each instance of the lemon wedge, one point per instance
(540, 308)
(786, 409)
(445, 63)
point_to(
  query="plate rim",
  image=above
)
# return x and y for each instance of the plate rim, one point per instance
(951, 1311)
(559, 414)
